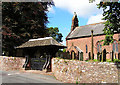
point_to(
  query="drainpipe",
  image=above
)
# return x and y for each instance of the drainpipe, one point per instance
(92, 45)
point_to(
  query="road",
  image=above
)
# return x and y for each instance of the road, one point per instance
(19, 77)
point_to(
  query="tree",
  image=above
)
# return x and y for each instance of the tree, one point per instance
(22, 21)
(91, 1)
(111, 14)
(54, 32)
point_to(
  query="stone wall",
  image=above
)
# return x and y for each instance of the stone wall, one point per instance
(11, 63)
(72, 71)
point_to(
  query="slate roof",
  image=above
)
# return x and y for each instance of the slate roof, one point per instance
(84, 31)
(47, 41)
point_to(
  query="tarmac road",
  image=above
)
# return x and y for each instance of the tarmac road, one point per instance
(19, 77)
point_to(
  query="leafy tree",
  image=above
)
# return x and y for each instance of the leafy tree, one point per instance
(91, 1)
(54, 32)
(111, 13)
(22, 21)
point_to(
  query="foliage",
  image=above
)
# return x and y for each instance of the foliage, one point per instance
(91, 1)
(108, 60)
(22, 21)
(111, 14)
(64, 50)
(54, 32)
(77, 82)
(116, 60)
(95, 60)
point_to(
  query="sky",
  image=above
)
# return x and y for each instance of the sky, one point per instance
(61, 14)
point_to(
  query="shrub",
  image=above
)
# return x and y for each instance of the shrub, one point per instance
(108, 60)
(116, 60)
(95, 60)
(77, 82)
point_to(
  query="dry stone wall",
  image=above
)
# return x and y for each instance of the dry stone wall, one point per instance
(11, 63)
(72, 71)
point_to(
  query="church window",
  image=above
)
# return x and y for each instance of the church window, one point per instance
(86, 49)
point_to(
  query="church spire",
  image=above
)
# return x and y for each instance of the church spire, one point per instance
(74, 22)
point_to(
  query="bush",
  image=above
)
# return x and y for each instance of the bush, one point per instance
(95, 60)
(109, 60)
(116, 60)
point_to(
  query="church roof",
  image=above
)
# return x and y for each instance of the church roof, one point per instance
(84, 31)
(47, 41)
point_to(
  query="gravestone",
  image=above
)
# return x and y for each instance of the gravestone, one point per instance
(119, 56)
(98, 56)
(112, 56)
(104, 55)
(89, 56)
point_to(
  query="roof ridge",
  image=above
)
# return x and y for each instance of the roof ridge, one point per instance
(45, 38)
(91, 24)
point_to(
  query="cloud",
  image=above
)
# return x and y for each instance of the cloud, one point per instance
(51, 10)
(95, 19)
(82, 7)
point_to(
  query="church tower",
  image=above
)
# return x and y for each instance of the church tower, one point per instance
(74, 22)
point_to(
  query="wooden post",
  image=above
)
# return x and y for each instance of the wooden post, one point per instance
(118, 56)
(29, 62)
(112, 56)
(73, 55)
(92, 45)
(89, 56)
(102, 56)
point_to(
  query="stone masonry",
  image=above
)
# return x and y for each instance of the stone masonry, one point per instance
(11, 63)
(72, 71)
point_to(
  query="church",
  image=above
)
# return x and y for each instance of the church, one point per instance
(79, 41)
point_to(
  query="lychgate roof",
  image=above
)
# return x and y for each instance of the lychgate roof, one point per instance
(47, 41)
(83, 31)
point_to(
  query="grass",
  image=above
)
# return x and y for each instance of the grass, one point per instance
(108, 60)
(95, 60)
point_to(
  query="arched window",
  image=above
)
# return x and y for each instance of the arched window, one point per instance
(86, 49)
(115, 46)
(99, 47)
